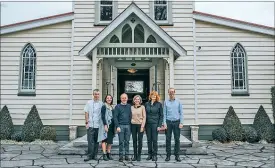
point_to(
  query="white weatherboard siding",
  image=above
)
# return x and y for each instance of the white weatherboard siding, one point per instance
(214, 73)
(181, 31)
(52, 44)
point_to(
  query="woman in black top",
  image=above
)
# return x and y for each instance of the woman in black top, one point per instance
(154, 118)
(106, 130)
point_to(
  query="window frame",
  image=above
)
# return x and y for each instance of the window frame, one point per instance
(27, 92)
(239, 92)
(169, 20)
(99, 22)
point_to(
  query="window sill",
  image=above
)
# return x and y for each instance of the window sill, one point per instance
(165, 24)
(26, 94)
(102, 24)
(240, 94)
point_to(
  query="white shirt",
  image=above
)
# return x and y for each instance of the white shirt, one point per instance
(94, 110)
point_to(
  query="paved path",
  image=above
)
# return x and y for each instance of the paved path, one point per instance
(219, 156)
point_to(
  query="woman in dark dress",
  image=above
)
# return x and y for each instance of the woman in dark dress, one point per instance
(154, 118)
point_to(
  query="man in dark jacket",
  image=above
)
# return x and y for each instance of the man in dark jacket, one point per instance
(122, 120)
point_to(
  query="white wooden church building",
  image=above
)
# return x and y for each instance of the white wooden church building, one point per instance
(135, 47)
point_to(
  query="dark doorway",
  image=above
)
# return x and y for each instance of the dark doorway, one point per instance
(133, 84)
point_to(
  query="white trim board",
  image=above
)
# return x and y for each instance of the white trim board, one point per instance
(132, 8)
(37, 23)
(234, 24)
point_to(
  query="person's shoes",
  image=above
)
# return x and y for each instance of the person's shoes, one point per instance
(167, 158)
(138, 157)
(95, 158)
(109, 156)
(127, 158)
(87, 158)
(134, 158)
(154, 158)
(149, 157)
(105, 157)
(177, 158)
(120, 159)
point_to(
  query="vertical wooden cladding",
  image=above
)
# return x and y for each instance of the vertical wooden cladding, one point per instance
(53, 50)
(214, 73)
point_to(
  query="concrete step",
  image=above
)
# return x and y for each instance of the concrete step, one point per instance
(79, 146)
(184, 142)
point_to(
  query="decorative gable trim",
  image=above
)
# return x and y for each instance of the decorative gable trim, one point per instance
(132, 8)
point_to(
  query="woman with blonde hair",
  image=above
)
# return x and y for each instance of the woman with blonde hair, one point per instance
(137, 126)
(154, 118)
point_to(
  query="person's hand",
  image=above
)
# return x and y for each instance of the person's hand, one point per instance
(180, 126)
(158, 128)
(87, 126)
(141, 129)
(165, 126)
(106, 128)
(118, 129)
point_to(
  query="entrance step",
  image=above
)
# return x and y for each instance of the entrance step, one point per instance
(184, 142)
(79, 146)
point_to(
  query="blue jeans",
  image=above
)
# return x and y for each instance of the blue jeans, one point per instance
(124, 138)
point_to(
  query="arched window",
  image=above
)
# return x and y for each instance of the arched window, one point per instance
(126, 34)
(114, 39)
(239, 69)
(151, 39)
(139, 34)
(28, 69)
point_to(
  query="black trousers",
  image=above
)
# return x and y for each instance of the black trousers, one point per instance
(172, 126)
(137, 138)
(152, 138)
(92, 135)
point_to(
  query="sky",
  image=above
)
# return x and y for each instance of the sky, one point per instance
(250, 11)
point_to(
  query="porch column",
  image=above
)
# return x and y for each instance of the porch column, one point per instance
(94, 67)
(171, 67)
(100, 64)
(166, 79)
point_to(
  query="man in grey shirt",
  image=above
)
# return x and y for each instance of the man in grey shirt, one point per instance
(92, 111)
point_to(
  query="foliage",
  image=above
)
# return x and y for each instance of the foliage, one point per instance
(32, 126)
(6, 124)
(263, 125)
(220, 135)
(232, 125)
(17, 136)
(250, 134)
(48, 133)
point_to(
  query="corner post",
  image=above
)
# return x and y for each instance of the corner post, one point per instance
(94, 67)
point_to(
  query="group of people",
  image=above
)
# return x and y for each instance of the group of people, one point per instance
(103, 121)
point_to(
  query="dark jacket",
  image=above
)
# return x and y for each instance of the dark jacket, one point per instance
(103, 113)
(122, 115)
(154, 113)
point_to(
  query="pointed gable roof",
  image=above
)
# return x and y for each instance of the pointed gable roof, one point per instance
(132, 8)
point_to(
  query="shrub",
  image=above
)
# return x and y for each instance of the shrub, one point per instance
(263, 125)
(220, 135)
(273, 101)
(6, 124)
(32, 126)
(250, 134)
(17, 136)
(232, 125)
(48, 133)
